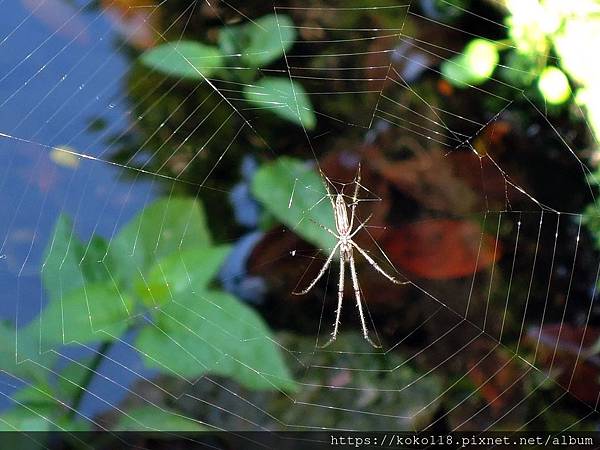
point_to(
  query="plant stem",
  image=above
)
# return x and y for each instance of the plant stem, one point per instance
(89, 376)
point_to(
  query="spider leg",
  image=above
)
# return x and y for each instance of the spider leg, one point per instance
(323, 269)
(362, 224)
(338, 311)
(318, 202)
(355, 196)
(376, 266)
(358, 302)
(329, 194)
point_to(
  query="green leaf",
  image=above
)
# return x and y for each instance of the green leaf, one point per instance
(29, 418)
(283, 97)
(166, 226)
(273, 186)
(474, 66)
(69, 264)
(154, 418)
(180, 271)
(82, 314)
(554, 85)
(38, 394)
(260, 42)
(16, 349)
(72, 377)
(185, 59)
(96, 265)
(572, 45)
(213, 332)
(61, 271)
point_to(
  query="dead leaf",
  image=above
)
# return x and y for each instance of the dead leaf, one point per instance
(135, 20)
(564, 351)
(497, 376)
(441, 248)
(428, 177)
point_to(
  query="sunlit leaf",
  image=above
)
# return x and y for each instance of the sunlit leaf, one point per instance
(554, 85)
(190, 269)
(529, 23)
(295, 194)
(474, 66)
(213, 332)
(572, 46)
(186, 59)
(150, 418)
(82, 314)
(166, 226)
(442, 249)
(282, 97)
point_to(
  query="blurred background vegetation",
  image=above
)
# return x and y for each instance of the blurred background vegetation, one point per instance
(199, 283)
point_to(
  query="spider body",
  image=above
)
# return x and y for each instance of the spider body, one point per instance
(343, 228)
(346, 245)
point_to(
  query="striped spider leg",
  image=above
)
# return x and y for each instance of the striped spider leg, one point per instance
(346, 246)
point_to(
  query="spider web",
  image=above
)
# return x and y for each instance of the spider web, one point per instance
(454, 330)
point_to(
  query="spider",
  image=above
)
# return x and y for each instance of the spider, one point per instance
(345, 243)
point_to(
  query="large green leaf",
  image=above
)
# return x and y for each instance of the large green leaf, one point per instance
(283, 97)
(276, 183)
(213, 332)
(61, 270)
(29, 418)
(186, 59)
(178, 272)
(69, 264)
(166, 226)
(82, 314)
(17, 348)
(36, 394)
(260, 42)
(72, 377)
(150, 418)
(96, 264)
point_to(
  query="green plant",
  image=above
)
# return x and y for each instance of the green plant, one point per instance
(242, 50)
(536, 31)
(153, 279)
(272, 186)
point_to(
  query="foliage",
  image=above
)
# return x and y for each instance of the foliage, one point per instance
(154, 278)
(474, 65)
(254, 45)
(536, 29)
(150, 418)
(554, 85)
(185, 59)
(288, 99)
(261, 41)
(272, 186)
